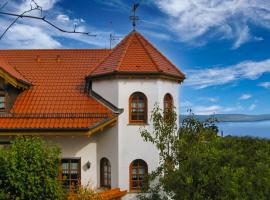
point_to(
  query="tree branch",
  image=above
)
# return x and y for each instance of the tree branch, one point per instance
(13, 22)
(37, 7)
(4, 5)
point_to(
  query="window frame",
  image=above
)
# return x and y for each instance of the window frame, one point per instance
(104, 161)
(169, 102)
(69, 172)
(131, 167)
(137, 121)
(3, 94)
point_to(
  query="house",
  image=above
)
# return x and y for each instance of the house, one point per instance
(92, 103)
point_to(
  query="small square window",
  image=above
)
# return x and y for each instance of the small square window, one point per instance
(2, 101)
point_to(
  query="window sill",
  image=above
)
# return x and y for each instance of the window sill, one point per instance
(134, 191)
(137, 124)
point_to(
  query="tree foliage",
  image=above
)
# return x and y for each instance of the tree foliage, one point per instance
(197, 164)
(29, 170)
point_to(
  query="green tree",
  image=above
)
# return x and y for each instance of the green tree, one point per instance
(29, 170)
(197, 164)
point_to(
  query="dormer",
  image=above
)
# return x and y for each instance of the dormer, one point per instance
(12, 83)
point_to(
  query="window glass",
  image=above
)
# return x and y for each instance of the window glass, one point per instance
(105, 173)
(138, 108)
(168, 102)
(2, 101)
(138, 175)
(70, 175)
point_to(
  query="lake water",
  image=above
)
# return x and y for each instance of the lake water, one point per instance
(255, 129)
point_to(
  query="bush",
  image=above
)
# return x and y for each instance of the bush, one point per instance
(29, 170)
(84, 193)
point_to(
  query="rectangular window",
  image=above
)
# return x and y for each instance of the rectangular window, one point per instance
(70, 173)
(2, 101)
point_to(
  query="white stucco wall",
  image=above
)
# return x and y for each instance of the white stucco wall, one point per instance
(108, 89)
(80, 147)
(130, 144)
(107, 146)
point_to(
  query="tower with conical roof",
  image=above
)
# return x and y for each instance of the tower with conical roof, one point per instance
(134, 77)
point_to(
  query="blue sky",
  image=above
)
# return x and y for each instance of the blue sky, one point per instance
(221, 45)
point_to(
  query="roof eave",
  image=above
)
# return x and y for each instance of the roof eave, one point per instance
(18, 83)
(89, 131)
(119, 74)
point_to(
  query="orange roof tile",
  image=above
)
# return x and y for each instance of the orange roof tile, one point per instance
(58, 82)
(135, 55)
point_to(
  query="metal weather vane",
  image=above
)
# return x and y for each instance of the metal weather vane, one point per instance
(133, 17)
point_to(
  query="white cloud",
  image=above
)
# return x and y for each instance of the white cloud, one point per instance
(28, 37)
(62, 18)
(27, 33)
(245, 96)
(209, 109)
(207, 77)
(208, 99)
(252, 107)
(119, 5)
(45, 4)
(206, 110)
(258, 38)
(213, 99)
(265, 85)
(157, 35)
(191, 19)
(243, 36)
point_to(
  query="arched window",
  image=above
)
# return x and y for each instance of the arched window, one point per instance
(105, 173)
(138, 108)
(168, 102)
(138, 175)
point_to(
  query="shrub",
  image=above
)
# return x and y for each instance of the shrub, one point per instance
(29, 170)
(84, 193)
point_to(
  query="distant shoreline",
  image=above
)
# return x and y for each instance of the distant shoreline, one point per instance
(263, 120)
(231, 117)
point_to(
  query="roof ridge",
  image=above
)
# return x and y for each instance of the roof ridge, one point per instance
(126, 39)
(125, 51)
(167, 60)
(154, 62)
(104, 59)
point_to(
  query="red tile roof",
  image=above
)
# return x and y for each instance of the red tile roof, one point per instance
(135, 55)
(57, 97)
(58, 82)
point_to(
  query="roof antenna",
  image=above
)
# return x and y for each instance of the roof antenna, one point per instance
(133, 17)
(113, 37)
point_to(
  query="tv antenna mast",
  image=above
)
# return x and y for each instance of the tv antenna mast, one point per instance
(113, 37)
(133, 17)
